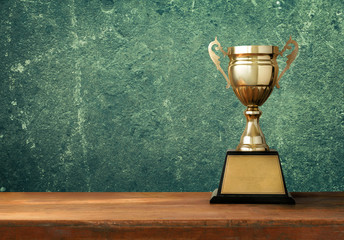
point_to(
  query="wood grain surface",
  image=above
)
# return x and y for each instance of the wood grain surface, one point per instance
(166, 216)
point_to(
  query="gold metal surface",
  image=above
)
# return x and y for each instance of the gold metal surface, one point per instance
(253, 138)
(291, 57)
(252, 174)
(216, 58)
(261, 49)
(253, 74)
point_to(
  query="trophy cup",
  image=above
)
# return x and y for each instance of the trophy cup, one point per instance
(252, 173)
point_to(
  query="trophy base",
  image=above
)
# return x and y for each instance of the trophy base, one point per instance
(252, 177)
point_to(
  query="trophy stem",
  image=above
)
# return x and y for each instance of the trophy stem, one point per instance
(253, 138)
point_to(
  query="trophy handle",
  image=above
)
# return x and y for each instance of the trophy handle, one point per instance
(215, 58)
(291, 57)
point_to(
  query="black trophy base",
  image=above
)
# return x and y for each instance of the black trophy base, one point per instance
(252, 177)
(251, 198)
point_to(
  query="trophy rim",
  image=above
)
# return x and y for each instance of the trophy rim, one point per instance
(253, 49)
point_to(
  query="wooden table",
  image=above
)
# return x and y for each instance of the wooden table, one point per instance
(166, 216)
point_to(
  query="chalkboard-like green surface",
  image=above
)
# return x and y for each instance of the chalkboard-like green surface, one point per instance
(122, 95)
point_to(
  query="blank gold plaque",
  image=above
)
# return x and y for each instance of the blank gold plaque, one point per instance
(252, 174)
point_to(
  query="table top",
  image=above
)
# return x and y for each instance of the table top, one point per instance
(166, 208)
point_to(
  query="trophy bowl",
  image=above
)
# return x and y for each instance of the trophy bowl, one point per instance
(253, 72)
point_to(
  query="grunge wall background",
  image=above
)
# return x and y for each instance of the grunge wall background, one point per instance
(122, 95)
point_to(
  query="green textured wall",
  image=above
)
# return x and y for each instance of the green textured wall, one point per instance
(122, 95)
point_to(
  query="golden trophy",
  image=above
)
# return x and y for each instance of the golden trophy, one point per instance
(252, 173)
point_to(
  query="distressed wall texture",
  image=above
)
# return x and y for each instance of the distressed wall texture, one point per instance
(105, 95)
